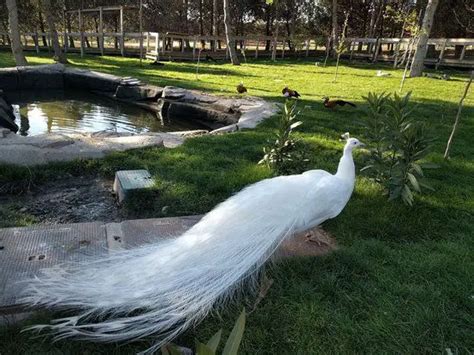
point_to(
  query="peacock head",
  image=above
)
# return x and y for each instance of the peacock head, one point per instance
(351, 143)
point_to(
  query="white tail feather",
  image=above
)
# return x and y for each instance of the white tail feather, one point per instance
(161, 288)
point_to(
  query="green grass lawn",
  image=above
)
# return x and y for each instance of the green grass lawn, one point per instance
(402, 279)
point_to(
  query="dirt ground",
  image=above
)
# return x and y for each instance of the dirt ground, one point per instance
(90, 199)
(69, 200)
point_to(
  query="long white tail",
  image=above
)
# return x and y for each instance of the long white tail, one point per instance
(165, 287)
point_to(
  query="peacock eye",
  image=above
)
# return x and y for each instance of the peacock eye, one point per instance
(354, 143)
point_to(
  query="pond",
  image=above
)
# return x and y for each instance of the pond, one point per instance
(69, 111)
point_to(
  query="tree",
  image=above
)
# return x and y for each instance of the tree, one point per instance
(334, 27)
(229, 34)
(59, 55)
(422, 45)
(456, 121)
(15, 33)
(342, 44)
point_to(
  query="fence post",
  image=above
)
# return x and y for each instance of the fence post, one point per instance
(274, 44)
(35, 39)
(101, 30)
(463, 53)
(157, 46)
(441, 54)
(397, 53)
(351, 46)
(81, 33)
(376, 50)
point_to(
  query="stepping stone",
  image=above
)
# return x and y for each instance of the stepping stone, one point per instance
(128, 182)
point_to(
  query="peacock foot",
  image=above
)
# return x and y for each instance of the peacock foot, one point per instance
(311, 237)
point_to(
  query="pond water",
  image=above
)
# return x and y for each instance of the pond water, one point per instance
(78, 111)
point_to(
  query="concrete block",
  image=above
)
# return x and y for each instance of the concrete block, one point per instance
(131, 181)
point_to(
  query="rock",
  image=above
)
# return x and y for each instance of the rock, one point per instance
(226, 129)
(48, 76)
(105, 133)
(162, 106)
(7, 108)
(90, 80)
(4, 132)
(9, 79)
(46, 148)
(138, 92)
(6, 121)
(58, 144)
(200, 113)
(175, 93)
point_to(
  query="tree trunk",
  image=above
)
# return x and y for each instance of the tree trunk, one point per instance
(41, 24)
(334, 28)
(214, 18)
(17, 49)
(229, 34)
(201, 25)
(7, 36)
(69, 30)
(268, 25)
(458, 115)
(373, 18)
(185, 21)
(379, 19)
(422, 46)
(116, 30)
(96, 25)
(58, 53)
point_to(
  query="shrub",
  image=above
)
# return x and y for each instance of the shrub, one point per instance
(286, 155)
(400, 144)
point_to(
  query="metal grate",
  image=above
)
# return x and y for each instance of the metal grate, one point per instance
(24, 251)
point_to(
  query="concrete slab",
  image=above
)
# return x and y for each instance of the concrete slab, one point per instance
(24, 251)
(47, 148)
(129, 181)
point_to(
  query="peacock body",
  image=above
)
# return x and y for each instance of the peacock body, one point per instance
(165, 287)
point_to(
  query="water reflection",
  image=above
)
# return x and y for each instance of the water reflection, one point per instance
(77, 111)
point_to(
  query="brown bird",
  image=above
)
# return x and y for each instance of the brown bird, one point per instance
(241, 88)
(333, 103)
(287, 92)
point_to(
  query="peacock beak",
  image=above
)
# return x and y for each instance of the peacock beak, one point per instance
(361, 144)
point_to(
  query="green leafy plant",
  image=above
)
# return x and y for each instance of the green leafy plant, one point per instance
(400, 144)
(231, 346)
(286, 155)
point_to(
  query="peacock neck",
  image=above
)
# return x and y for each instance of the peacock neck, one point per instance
(346, 167)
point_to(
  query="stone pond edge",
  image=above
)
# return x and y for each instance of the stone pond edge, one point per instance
(228, 113)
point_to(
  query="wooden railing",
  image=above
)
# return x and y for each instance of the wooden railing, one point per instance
(172, 46)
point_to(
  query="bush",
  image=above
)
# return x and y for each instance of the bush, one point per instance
(400, 144)
(286, 155)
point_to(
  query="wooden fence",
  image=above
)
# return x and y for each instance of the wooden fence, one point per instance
(458, 52)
